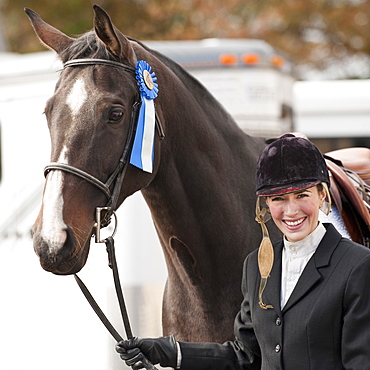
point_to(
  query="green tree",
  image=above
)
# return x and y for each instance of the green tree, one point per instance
(313, 33)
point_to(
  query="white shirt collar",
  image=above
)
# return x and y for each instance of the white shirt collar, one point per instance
(306, 245)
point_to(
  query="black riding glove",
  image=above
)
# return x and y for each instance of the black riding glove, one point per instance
(161, 351)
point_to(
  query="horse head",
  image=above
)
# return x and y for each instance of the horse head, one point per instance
(89, 117)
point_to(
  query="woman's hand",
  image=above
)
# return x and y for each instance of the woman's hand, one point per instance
(161, 351)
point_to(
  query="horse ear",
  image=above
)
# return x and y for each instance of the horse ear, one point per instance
(48, 35)
(111, 37)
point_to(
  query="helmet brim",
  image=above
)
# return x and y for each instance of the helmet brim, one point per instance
(286, 189)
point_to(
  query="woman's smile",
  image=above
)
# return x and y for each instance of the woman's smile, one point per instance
(294, 224)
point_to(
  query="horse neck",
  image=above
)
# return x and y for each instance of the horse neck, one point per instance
(205, 182)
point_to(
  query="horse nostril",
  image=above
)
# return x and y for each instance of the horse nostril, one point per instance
(55, 248)
(56, 240)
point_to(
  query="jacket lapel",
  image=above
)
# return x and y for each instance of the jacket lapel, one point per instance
(321, 258)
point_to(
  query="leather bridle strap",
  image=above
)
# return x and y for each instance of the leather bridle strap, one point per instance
(97, 309)
(104, 187)
(94, 61)
(116, 177)
(112, 263)
(109, 242)
(120, 170)
(143, 362)
(119, 173)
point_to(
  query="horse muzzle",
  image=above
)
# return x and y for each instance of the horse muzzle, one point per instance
(63, 255)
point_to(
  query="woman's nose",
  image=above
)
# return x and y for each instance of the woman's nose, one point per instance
(291, 208)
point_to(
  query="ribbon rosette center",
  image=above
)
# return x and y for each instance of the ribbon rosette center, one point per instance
(148, 80)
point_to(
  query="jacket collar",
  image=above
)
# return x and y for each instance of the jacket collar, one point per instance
(310, 275)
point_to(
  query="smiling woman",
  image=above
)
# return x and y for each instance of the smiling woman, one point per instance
(306, 298)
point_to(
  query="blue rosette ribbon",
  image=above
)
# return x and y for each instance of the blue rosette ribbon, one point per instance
(142, 154)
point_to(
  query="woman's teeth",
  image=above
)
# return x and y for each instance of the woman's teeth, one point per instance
(294, 223)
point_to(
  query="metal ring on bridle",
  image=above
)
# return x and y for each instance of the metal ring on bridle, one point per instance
(98, 225)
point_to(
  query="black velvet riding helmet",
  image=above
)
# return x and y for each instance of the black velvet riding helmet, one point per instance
(289, 164)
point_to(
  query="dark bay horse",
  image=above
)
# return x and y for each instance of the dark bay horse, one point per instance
(201, 192)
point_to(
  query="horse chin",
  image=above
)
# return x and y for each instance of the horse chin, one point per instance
(59, 264)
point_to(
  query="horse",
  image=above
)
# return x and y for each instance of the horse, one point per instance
(201, 191)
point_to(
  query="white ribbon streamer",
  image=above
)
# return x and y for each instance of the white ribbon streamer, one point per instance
(148, 136)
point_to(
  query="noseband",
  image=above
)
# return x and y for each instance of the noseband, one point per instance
(119, 173)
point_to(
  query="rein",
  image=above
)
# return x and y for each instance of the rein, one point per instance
(141, 360)
(115, 178)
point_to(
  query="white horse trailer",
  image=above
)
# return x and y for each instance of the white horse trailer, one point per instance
(45, 321)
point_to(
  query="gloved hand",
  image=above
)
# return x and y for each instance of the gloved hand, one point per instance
(161, 351)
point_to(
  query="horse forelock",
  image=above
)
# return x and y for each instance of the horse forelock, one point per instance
(87, 45)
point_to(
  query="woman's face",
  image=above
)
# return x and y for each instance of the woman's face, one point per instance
(296, 214)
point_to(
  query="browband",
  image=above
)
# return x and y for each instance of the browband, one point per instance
(92, 61)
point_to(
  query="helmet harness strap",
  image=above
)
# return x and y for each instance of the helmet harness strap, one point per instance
(265, 252)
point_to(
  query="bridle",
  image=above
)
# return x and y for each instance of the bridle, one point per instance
(115, 178)
(119, 173)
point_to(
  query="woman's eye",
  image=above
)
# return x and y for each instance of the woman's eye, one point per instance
(303, 195)
(115, 115)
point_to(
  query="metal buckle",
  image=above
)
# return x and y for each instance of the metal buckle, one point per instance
(98, 226)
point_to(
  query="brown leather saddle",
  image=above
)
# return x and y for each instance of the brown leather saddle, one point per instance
(350, 189)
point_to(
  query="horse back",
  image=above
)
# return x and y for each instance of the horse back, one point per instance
(350, 174)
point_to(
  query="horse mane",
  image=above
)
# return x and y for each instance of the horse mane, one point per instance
(208, 101)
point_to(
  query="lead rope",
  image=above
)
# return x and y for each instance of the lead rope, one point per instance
(112, 262)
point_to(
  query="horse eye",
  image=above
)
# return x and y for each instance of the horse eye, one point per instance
(115, 115)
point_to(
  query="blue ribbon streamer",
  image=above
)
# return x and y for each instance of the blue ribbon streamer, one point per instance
(142, 154)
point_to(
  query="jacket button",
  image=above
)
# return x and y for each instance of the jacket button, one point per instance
(277, 348)
(278, 321)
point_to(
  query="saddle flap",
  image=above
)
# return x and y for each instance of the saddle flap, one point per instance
(349, 190)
